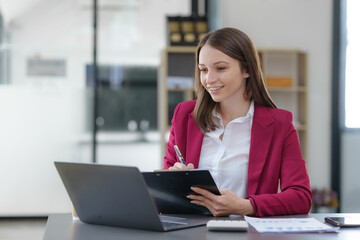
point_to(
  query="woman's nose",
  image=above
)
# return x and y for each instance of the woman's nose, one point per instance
(211, 77)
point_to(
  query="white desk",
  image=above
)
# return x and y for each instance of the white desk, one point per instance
(62, 227)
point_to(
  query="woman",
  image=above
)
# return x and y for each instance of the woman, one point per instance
(235, 131)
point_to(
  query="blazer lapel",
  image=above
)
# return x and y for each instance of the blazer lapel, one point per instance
(261, 134)
(193, 142)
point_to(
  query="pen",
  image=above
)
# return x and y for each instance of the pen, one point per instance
(180, 156)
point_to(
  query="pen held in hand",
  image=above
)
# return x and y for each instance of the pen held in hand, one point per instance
(180, 156)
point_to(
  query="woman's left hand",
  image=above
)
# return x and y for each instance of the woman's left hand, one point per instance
(219, 205)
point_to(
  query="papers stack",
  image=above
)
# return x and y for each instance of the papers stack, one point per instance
(289, 225)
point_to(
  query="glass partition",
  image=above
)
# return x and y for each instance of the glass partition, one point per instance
(44, 48)
(130, 39)
(47, 96)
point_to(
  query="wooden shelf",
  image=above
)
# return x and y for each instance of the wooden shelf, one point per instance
(291, 64)
(301, 127)
(287, 89)
(181, 89)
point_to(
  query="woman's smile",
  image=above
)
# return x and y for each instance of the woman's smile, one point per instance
(215, 90)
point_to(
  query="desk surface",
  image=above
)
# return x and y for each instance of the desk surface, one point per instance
(61, 226)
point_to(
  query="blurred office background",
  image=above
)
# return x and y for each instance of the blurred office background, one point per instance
(47, 97)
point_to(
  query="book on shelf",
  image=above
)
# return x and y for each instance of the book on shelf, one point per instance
(180, 82)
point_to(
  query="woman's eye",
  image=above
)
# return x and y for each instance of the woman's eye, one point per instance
(220, 68)
(203, 70)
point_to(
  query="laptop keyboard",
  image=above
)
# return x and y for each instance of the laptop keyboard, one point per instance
(168, 221)
(171, 219)
(169, 225)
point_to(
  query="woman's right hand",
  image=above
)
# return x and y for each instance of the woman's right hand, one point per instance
(180, 166)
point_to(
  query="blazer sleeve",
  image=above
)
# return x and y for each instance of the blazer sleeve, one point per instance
(295, 196)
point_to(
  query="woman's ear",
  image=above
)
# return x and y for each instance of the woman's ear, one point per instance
(246, 75)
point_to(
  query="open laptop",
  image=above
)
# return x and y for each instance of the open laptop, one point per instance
(117, 196)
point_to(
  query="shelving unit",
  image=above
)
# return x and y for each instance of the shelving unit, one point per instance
(176, 62)
(289, 67)
(290, 64)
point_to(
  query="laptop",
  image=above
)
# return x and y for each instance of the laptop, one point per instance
(117, 196)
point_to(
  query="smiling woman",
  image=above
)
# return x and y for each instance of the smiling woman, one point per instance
(235, 131)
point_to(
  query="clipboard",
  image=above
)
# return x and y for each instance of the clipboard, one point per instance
(169, 189)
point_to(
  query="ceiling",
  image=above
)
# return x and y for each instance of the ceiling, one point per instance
(11, 9)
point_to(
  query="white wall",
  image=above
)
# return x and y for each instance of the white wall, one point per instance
(304, 25)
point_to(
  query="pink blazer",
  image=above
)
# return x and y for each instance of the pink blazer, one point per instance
(275, 155)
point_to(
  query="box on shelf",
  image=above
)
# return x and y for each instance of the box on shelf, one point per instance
(186, 30)
(279, 81)
(174, 32)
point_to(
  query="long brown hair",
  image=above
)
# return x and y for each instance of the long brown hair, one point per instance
(237, 45)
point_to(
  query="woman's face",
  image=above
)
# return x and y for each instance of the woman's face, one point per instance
(221, 75)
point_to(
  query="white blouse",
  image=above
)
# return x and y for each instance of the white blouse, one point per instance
(227, 160)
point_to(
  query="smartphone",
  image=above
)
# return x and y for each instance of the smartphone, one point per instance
(347, 221)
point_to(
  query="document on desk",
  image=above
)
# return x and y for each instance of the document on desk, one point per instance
(289, 225)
